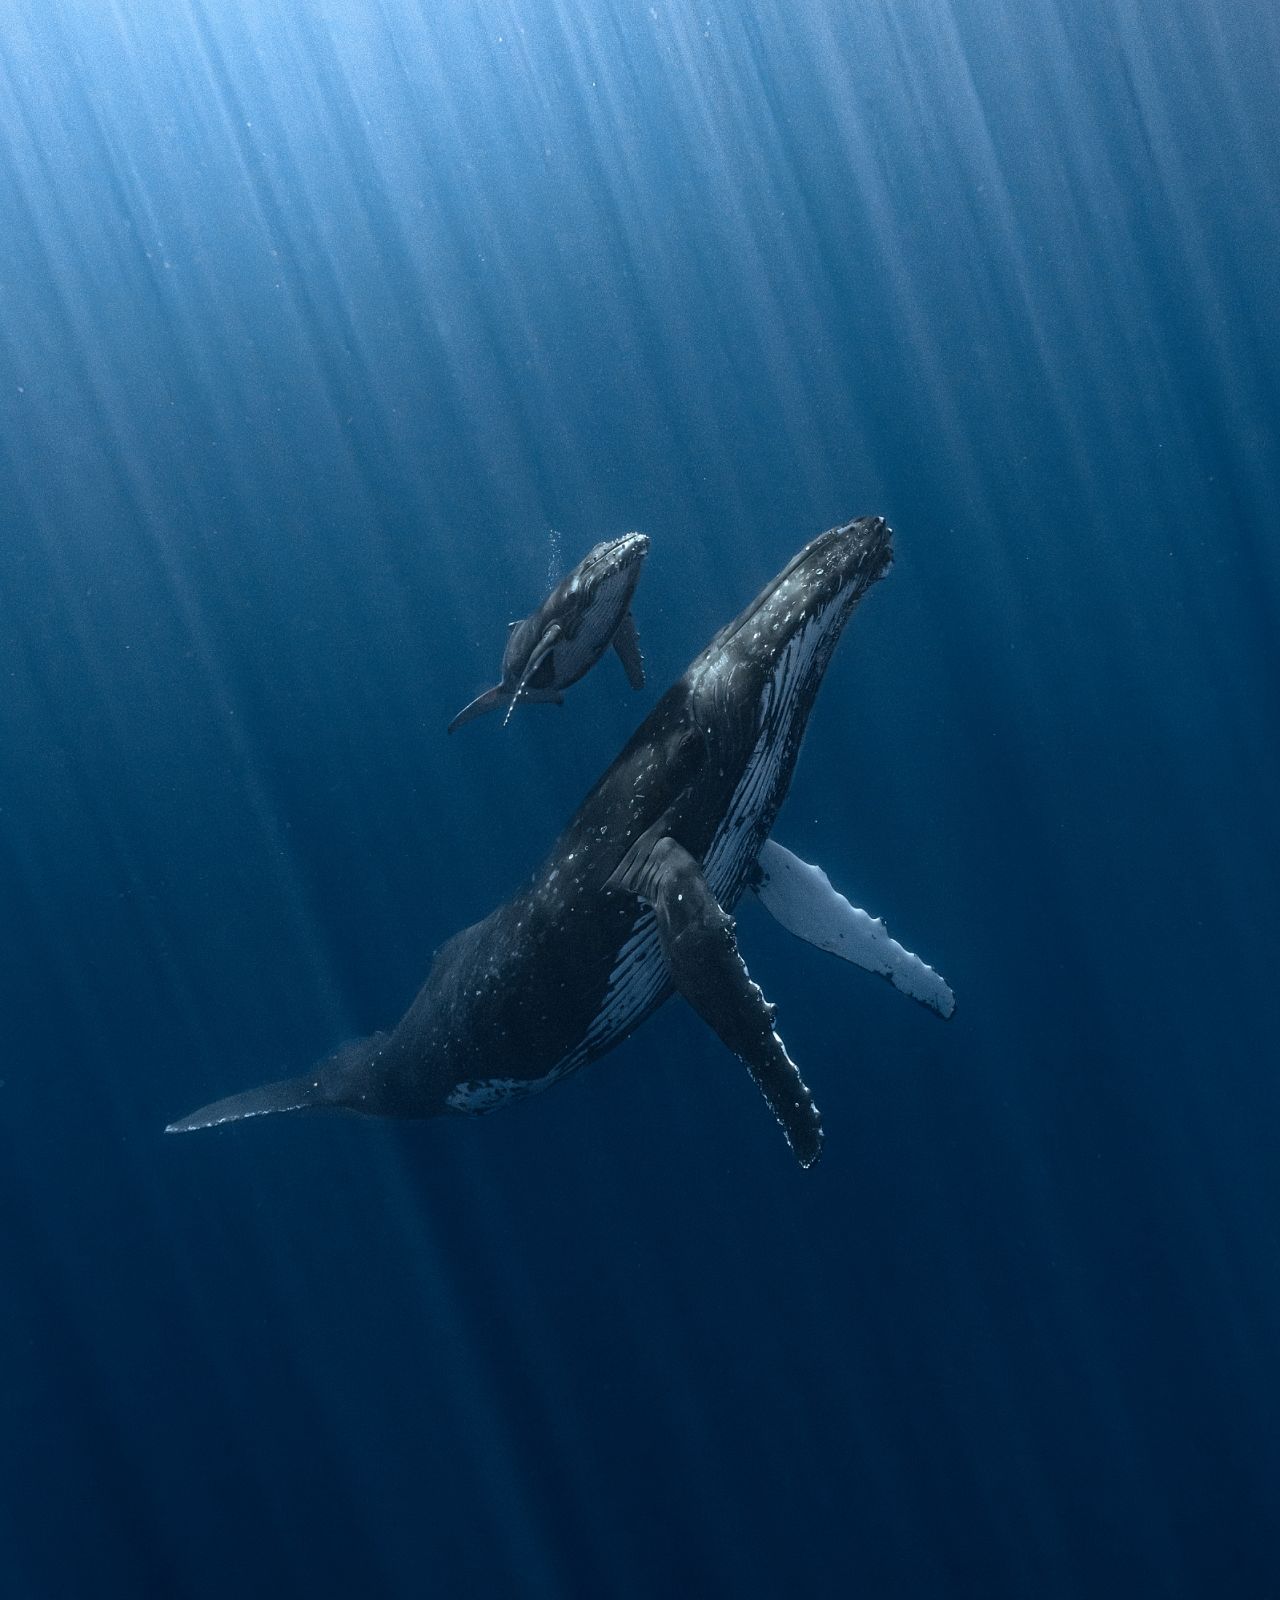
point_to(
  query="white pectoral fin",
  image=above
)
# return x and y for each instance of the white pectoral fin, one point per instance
(626, 641)
(802, 899)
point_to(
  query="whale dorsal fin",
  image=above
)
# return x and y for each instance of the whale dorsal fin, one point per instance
(626, 641)
(697, 938)
(803, 900)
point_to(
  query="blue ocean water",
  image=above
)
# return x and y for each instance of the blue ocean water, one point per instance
(327, 332)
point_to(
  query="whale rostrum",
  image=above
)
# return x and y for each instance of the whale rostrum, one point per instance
(635, 900)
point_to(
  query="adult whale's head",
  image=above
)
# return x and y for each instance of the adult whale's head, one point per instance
(781, 645)
(749, 695)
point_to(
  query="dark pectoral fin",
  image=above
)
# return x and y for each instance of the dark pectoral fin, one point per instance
(549, 640)
(698, 942)
(626, 641)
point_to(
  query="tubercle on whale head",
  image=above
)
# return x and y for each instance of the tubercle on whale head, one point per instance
(610, 554)
(608, 558)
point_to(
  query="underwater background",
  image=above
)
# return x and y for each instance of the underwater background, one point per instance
(328, 334)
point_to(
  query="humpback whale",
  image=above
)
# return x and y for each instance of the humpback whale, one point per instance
(564, 638)
(634, 902)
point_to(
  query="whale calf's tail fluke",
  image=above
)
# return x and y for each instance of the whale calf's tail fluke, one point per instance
(498, 696)
(290, 1094)
(477, 707)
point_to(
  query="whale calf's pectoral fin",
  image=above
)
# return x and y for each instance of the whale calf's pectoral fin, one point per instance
(549, 640)
(626, 641)
(477, 707)
(697, 939)
(291, 1094)
(803, 900)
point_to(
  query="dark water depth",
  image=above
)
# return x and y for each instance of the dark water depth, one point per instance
(325, 331)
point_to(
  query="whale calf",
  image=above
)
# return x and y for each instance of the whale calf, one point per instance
(563, 639)
(634, 902)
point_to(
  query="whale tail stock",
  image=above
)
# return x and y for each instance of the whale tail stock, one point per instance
(331, 1084)
(289, 1094)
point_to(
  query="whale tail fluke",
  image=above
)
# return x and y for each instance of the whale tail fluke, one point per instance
(477, 707)
(501, 695)
(290, 1094)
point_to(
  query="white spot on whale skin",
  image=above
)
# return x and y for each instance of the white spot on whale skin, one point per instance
(476, 1096)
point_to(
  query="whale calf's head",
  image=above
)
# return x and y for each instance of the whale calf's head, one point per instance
(587, 605)
(609, 559)
(596, 594)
